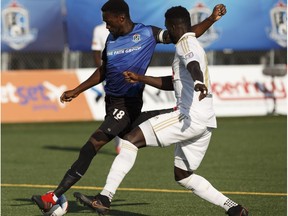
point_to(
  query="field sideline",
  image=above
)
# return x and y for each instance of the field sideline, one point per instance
(246, 160)
(144, 190)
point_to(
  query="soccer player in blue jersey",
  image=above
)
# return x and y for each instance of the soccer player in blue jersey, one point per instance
(129, 47)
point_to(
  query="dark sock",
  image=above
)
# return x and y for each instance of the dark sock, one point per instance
(67, 182)
(78, 169)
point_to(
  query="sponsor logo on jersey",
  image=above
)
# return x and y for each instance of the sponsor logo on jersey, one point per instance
(278, 18)
(199, 13)
(123, 51)
(136, 38)
(16, 30)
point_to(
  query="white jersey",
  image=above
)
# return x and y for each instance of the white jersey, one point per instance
(100, 35)
(189, 49)
(190, 126)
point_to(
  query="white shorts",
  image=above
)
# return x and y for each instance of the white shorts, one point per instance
(191, 139)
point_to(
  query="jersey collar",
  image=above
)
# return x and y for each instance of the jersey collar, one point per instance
(186, 35)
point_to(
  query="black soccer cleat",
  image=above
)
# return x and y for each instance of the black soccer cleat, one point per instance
(237, 211)
(99, 203)
(43, 205)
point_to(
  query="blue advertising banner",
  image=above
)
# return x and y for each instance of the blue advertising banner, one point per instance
(29, 25)
(248, 25)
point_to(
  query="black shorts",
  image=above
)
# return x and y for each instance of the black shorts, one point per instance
(121, 112)
(149, 114)
(124, 114)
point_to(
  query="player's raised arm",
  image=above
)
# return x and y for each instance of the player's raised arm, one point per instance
(200, 28)
(96, 78)
(219, 10)
(164, 83)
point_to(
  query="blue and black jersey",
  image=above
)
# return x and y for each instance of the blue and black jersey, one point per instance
(131, 52)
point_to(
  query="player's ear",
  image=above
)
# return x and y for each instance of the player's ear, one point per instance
(121, 18)
(174, 26)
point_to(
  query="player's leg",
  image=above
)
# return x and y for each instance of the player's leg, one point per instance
(74, 174)
(106, 132)
(132, 141)
(124, 161)
(143, 117)
(123, 111)
(80, 166)
(112, 126)
(188, 157)
(121, 165)
(203, 188)
(167, 128)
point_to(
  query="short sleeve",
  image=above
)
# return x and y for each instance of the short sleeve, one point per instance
(189, 50)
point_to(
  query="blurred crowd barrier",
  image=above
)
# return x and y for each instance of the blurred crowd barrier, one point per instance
(238, 90)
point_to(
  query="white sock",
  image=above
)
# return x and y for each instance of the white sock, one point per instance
(122, 164)
(202, 188)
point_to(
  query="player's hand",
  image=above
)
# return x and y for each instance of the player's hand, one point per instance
(203, 90)
(131, 77)
(218, 11)
(68, 96)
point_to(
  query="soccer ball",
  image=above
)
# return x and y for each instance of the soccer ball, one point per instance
(59, 209)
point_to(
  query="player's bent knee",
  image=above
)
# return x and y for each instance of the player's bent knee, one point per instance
(136, 137)
(99, 139)
(180, 174)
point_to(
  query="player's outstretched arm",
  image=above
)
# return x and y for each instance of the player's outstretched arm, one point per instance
(200, 28)
(219, 10)
(94, 79)
(164, 83)
(68, 96)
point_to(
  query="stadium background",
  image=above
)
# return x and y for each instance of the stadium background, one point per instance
(61, 32)
(45, 49)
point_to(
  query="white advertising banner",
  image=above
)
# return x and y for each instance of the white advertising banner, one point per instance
(237, 91)
(245, 91)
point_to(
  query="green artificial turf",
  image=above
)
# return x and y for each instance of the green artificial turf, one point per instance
(246, 160)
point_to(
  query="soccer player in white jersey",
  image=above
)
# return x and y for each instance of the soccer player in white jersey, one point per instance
(189, 127)
(100, 34)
